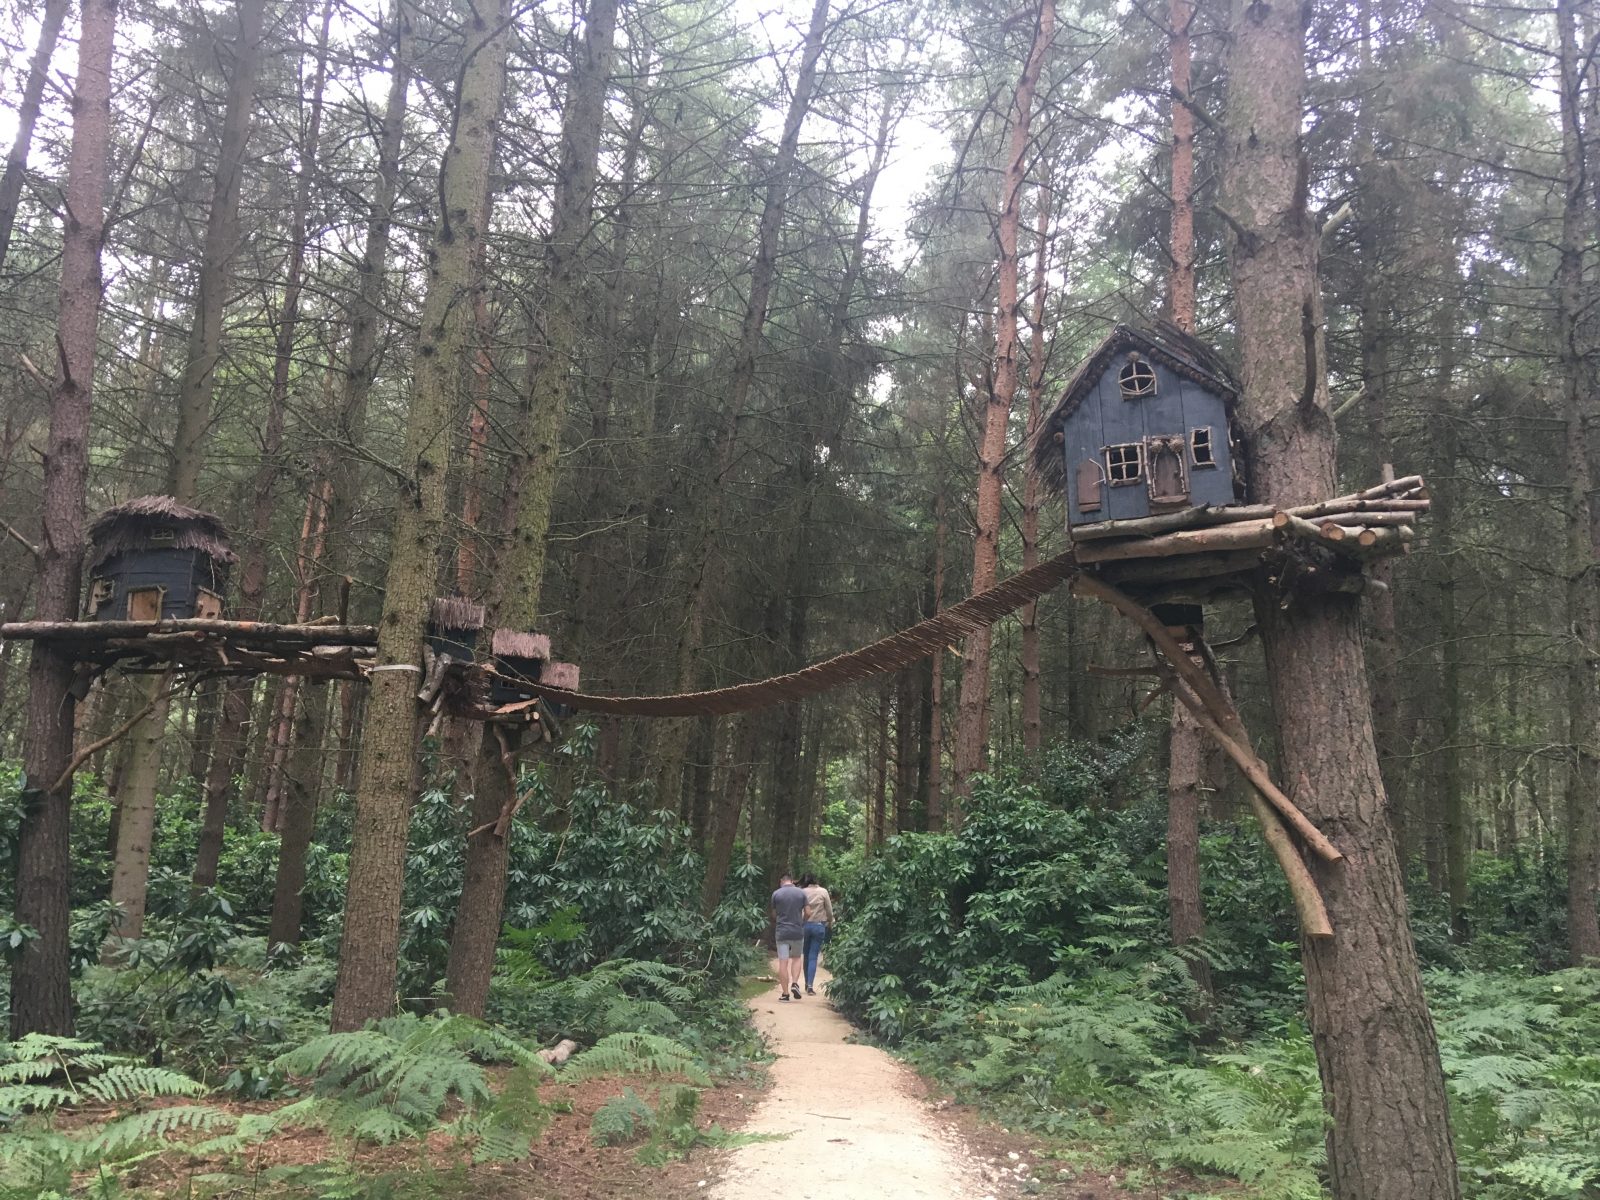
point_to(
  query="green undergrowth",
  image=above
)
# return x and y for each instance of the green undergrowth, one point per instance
(80, 1120)
(1022, 962)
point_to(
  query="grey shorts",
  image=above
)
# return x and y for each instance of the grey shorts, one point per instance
(790, 948)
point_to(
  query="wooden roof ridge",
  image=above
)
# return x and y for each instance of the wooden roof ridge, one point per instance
(1162, 341)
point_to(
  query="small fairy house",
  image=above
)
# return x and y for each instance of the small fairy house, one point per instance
(454, 623)
(1144, 428)
(518, 657)
(561, 675)
(153, 559)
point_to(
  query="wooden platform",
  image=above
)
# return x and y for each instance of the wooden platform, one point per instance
(317, 650)
(1199, 554)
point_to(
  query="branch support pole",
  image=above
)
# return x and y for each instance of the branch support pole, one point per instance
(1195, 689)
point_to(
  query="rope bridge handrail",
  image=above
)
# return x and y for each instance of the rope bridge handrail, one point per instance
(892, 653)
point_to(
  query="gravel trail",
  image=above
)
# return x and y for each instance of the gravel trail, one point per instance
(857, 1128)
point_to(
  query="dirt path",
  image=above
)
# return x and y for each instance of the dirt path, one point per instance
(857, 1130)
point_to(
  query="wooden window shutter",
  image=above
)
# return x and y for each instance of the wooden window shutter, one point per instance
(1088, 486)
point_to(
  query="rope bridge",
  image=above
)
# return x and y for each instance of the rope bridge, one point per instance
(892, 653)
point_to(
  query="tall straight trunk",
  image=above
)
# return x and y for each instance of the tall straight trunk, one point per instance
(519, 566)
(367, 959)
(41, 986)
(973, 707)
(1186, 756)
(592, 595)
(363, 356)
(137, 809)
(906, 727)
(299, 816)
(1389, 1135)
(880, 772)
(1453, 803)
(477, 429)
(221, 239)
(1376, 242)
(729, 808)
(1032, 721)
(933, 805)
(253, 568)
(1583, 598)
(667, 748)
(55, 13)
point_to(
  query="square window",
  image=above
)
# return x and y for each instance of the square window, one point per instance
(162, 535)
(1202, 452)
(1124, 464)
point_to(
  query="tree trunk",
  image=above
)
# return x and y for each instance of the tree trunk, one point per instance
(136, 811)
(933, 805)
(729, 808)
(476, 930)
(1185, 770)
(906, 727)
(1186, 757)
(1032, 722)
(41, 986)
(55, 13)
(305, 776)
(367, 959)
(1389, 1137)
(973, 707)
(1583, 598)
(519, 568)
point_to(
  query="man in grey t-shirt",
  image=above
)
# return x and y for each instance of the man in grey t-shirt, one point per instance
(789, 907)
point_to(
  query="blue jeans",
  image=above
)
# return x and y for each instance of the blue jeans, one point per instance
(816, 934)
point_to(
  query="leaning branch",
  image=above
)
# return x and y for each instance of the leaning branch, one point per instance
(95, 747)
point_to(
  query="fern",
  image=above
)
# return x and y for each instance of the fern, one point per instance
(620, 1119)
(638, 1054)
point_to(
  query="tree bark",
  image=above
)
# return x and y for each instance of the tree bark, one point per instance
(1389, 1137)
(367, 960)
(55, 13)
(971, 751)
(301, 795)
(519, 567)
(1583, 592)
(41, 988)
(1032, 722)
(1186, 756)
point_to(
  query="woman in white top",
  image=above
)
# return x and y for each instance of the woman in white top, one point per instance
(818, 926)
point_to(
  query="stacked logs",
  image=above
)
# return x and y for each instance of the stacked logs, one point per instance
(1306, 543)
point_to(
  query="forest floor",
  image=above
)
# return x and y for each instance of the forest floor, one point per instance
(849, 1122)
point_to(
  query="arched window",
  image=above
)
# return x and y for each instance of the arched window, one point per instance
(1138, 379)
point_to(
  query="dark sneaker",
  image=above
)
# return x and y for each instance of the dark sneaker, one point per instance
(795, 987)
(784, 996)
(811, 991)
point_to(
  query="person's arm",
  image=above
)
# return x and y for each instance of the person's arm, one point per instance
(827, 904)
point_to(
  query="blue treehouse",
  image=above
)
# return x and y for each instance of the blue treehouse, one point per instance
(1144, 428)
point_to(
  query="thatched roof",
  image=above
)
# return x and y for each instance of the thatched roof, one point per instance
(560, 675)
(126, 527)
(513, 643)
(455, 613)
(1164, 343)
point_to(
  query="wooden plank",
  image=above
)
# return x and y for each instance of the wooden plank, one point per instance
(1242, 535)
(1187, 566)
(1188, 518)
(262, 631)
